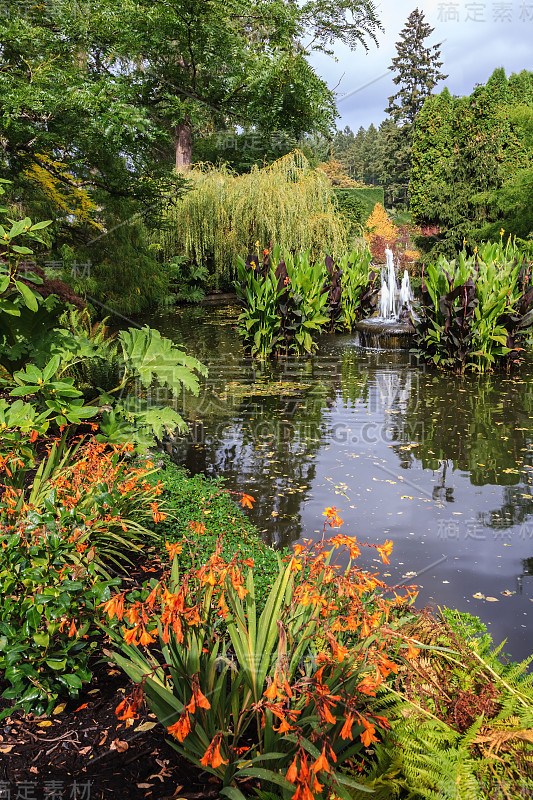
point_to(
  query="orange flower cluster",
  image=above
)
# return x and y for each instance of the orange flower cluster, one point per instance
(350, 608)
(97, 466)
(332, 517)
(182, 727)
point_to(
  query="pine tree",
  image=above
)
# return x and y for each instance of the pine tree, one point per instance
(417, 69)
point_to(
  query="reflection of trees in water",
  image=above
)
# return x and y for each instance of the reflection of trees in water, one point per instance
(265, 449)
(478, 425)
(516, 508)
(526, 576)
(380, 385)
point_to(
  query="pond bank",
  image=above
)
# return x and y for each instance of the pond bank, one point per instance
(442, 465)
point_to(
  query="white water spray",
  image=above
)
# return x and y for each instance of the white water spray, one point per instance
(392, 300)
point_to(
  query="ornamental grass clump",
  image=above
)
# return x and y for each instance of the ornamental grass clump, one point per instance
(281, 701)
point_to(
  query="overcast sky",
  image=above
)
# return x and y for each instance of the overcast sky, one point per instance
(476, 35)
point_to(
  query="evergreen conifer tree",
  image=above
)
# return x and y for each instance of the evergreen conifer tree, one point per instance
(417, 69)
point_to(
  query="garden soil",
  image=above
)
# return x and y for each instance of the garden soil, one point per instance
(83, 752)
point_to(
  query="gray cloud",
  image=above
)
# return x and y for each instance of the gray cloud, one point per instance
(471, 51)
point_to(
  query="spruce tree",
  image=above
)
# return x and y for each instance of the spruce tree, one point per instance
(417, 69)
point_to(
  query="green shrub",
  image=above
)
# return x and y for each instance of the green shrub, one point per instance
(51, 590)
(63, 528)
(201, 500)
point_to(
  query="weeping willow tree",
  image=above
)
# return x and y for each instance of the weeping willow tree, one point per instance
(224, 215)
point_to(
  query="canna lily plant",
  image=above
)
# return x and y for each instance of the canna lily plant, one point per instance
(281, 700)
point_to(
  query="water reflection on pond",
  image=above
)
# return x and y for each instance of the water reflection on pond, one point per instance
(441, 465)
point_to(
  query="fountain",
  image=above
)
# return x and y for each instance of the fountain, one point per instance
(392, 328)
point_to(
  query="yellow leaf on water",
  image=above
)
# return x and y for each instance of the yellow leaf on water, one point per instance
(492, 599)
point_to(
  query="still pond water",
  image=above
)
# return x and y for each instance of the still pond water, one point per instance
(441, 465)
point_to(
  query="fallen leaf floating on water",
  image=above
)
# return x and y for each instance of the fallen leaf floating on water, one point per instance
(478, 596)
(507, 593)
(492, 600)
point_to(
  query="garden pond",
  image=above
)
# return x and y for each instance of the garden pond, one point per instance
(440, 464)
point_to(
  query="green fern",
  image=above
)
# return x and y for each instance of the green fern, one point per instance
(426, 755)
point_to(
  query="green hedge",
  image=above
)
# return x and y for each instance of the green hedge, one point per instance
(367, 197)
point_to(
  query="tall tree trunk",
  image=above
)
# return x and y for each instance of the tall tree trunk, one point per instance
(183, 143)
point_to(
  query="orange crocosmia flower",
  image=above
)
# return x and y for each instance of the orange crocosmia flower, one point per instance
(367, 686)
(126, 710)
(201, 699)
(212, 755)
(332, 517)
(387, 666)
(211, 579)
(197, 527)
(327, 715)
(346, 732)
(385, 550)
(247, 500)
(33, 436)
(249, 562)
(181, 728)
(284, 727)
(72, 630)
(146, 637)
(130, 636)
(368, 736)
(321, 763)
(217, 759)
(272, 692)
(115, 607)
(156, 514)
(413, 651)
(173, 549)
(292, 772)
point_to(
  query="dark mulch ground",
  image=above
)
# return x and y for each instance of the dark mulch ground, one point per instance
(85, 753)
